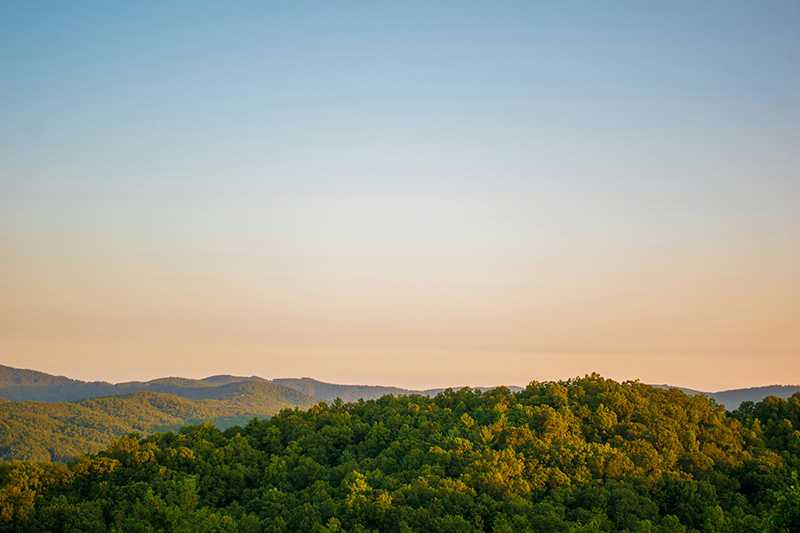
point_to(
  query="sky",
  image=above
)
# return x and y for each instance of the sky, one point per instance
(409, 193)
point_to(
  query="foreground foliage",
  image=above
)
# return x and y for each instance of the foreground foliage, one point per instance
(583, 455)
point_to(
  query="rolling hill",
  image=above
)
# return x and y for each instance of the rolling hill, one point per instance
(57, 431)
(22, 384)
(54, 418)
(733, 398)
(348, 393)
(583, 455)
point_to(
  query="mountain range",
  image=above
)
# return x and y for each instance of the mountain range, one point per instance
(733, 398)
(54, 418)
(30, 385)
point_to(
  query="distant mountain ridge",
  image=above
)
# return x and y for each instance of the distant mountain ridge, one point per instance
(23, 384)
(350, 393)
(733, 398)
(45, 417)
(60, 430)
(55, 418)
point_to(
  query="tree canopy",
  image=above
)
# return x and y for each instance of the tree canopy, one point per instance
(582, 455)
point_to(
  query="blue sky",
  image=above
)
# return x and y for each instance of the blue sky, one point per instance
(297, 149)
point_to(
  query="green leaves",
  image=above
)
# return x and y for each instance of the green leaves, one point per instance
(582, 455)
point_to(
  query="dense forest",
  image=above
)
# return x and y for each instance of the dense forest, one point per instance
(585, 455)
(42, 431)
(54, 418)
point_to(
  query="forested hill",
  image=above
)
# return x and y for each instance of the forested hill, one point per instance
(330, 391)
(72, 417)
(584, 455)
(59, 431)
(733, 398)
(349, 393)
(21, 384)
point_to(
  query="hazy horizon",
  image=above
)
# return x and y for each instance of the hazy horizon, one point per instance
(401, 386)
(412, 195)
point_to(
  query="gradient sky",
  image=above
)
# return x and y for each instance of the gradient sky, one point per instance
(418, 194)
